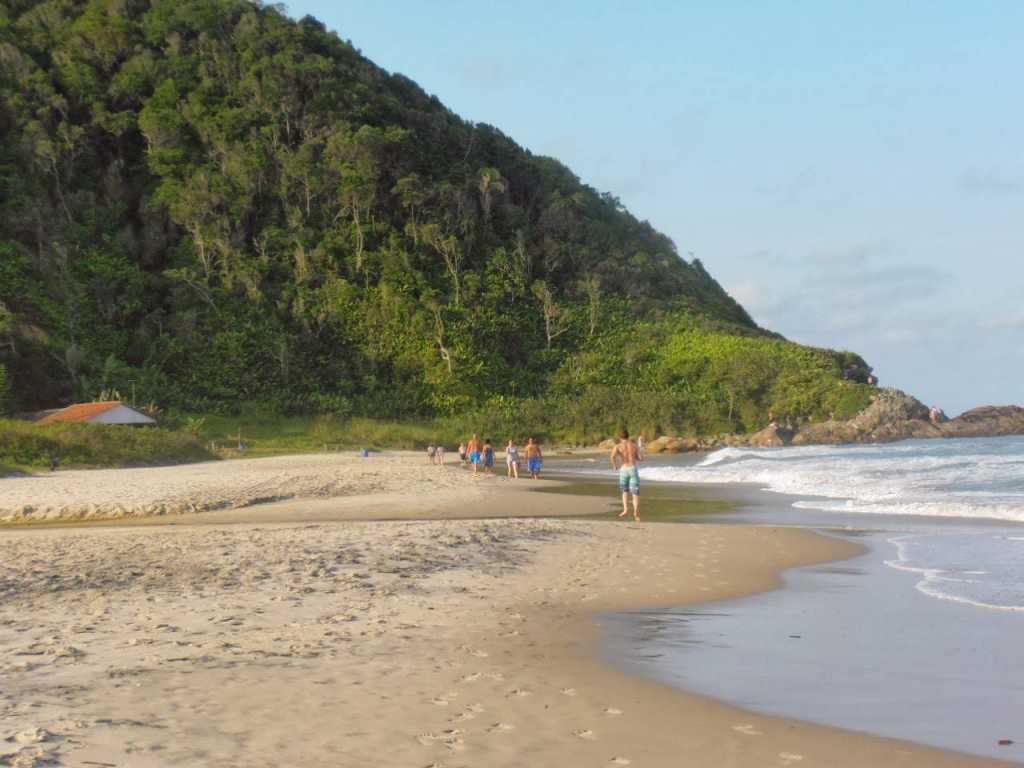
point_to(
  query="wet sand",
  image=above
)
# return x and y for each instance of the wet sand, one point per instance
(445, 642)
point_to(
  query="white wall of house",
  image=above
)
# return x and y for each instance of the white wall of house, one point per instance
(121, 414)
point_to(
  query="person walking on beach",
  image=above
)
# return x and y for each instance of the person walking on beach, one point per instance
(534, 458)
(640, 446)
(462, 452)
(512, 459)
(625, 456)
(431, 450)
(488, 458)
(474, 447)
(439, 454)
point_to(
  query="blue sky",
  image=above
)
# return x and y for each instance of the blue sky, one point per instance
(852, 172)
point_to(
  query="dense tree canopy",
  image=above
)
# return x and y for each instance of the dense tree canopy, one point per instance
(216, 204)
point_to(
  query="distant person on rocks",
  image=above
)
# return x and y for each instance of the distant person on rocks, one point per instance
(512, 459)
(474, 447)
(431, 450)
(488, 458)
(439, 454)
(641, 447)
(462, 452)
(534, 458)
(624, 458)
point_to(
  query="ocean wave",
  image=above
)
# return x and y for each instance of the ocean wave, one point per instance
(981, 478)
(949, 568)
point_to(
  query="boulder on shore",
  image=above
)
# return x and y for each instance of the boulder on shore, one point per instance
(667, 444)
(772, 436)
(987, 421)
(895, 415)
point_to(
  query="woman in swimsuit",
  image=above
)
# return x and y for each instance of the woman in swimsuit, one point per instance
(512, 459)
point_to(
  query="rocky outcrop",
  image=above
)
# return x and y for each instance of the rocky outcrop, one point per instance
(895, 415)
(771, 436)
(666, 444)
(987, 421)
(892, 416)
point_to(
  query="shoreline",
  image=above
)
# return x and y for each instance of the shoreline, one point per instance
(490, 658)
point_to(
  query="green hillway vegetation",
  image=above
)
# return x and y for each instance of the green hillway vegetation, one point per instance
(238, 217)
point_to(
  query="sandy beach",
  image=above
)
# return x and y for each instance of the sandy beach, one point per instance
(337, 641)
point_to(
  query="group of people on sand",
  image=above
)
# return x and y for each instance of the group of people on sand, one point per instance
(435, 454)
(479, 454)
(625, 457)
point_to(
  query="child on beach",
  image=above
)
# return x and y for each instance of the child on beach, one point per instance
(512, 459)
(462, 452)
(488, 457)
(439, 454)
(534, 458)
(430, 453)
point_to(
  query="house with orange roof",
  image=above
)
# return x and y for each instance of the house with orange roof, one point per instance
(109, 412)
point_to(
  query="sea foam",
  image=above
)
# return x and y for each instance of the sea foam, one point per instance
(979, 478)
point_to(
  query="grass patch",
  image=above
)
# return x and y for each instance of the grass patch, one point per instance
(266, 435)
(29, 447)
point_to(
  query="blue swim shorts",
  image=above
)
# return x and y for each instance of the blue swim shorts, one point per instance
(534, 465)
(474, 457)
(629, 480)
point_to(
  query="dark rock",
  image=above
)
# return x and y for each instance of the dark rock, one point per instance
(667, 444)
(895, 415)
(772, 436)
(987, 421)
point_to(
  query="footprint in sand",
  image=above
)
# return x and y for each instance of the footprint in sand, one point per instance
(620, 761)
(788, 758)
(519, 693)
(747, 730)
(470, 678)
(439, 701)
(612, 711)
(585, 733)
(451, 738)
(568, 691)
(470, 712)
(500, 727)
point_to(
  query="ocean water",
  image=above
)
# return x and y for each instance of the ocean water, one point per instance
(918, 639)
(926, 482)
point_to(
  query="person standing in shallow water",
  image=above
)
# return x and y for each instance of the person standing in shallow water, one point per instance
(625, 457)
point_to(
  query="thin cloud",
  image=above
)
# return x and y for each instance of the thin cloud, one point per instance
(1011, 321)
(991, 183)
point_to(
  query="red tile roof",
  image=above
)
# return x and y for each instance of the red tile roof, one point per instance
(80, 412)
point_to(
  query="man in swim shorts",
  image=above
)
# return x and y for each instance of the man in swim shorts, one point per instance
(534, 458)
(625, 457)
(474, 446)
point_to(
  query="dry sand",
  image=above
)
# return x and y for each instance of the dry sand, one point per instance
(387, 643)
(216, 485)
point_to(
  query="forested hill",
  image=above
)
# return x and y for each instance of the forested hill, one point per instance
(217, 205)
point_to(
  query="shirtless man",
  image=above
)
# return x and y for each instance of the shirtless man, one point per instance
(534, 458)
(624, 458)
(474, 446)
